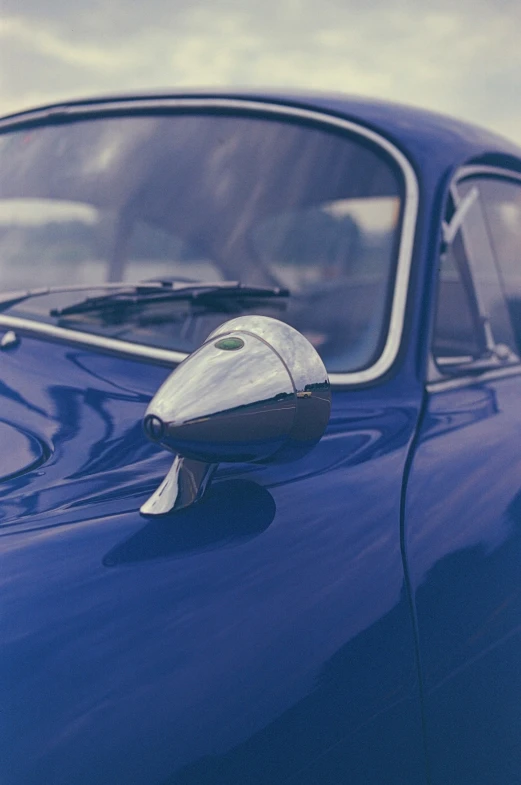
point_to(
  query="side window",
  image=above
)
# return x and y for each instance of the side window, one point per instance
(473, 327)
(501, 201)
(456, 330)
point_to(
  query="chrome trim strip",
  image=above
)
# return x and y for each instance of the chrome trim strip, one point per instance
(477, 169)
(472, 379)
(450, 230)
(88, 339)
(403, 268)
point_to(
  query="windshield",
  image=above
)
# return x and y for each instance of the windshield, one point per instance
(204, 197)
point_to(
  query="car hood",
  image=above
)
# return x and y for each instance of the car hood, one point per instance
(141, 651)
(25, 452)
(71, 422)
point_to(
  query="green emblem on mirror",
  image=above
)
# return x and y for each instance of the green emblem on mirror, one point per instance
(229, 344)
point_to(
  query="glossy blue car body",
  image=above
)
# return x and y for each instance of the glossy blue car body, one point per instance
(352, 617)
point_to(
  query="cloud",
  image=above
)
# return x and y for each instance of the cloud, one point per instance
(463, 59)
(46, 42)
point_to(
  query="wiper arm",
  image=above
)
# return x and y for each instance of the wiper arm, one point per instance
(206, 294)
(9, 299)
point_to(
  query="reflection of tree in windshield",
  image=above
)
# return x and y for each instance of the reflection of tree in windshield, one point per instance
(319, 244)
(68, 241)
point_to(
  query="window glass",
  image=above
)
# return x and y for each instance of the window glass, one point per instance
(484, 270)
(49, 241)
(155, 253)
(502, 205)
(206, 197)
(456, 334)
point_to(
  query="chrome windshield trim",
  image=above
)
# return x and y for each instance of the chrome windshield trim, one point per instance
(404, 261)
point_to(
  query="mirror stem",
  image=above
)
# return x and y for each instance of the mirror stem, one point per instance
(184, 484)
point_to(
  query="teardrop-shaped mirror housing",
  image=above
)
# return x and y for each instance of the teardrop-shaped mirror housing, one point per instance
(256, 390)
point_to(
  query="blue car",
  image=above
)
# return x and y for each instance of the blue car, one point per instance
(260, 398)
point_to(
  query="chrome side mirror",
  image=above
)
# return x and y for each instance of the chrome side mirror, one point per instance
(256, 390)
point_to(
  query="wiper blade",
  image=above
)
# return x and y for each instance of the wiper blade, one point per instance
(140, 291)
(207, 294)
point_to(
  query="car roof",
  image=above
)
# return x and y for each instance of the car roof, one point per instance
(423, 135)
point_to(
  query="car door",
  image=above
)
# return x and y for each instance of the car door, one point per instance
(463, 511)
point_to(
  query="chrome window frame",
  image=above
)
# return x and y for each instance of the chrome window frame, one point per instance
(405, 249)
(434, 382)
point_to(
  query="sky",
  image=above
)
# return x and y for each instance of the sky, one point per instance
(462, 58)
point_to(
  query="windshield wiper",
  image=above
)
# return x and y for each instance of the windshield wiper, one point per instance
(143, 291)
(9, 299)
(206, 294)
